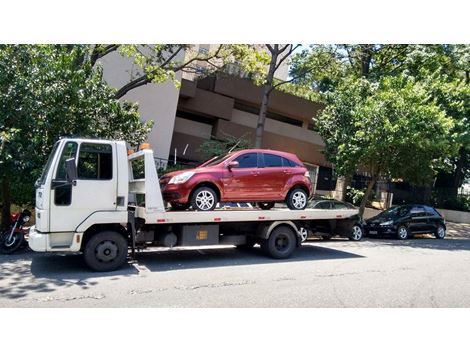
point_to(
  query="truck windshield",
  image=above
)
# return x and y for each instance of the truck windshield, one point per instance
(45, 171)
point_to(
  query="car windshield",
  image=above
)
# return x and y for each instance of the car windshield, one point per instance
(45, 171)
(219, 159)
(396, 211)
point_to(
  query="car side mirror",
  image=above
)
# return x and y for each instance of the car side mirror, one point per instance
(71, 170)
(233, 164)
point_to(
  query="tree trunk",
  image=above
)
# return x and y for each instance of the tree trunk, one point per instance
(6, 203)
(458, 173)
(367, 194)
(268, 86)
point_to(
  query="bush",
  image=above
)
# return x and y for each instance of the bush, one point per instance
(354, 195)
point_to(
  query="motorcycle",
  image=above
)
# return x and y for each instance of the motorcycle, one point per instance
(14, 237)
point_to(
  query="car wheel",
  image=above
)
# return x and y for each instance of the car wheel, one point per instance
(303, 233)
(106, 251)
(440, 232)
(403, 233)
(356, 233)
(281, 243)
(265, 205)
(204, 199)
(179, 206)
(297, 199)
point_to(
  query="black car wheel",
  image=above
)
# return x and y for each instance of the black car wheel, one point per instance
(356, 233)
(403, 233)
(440, 232)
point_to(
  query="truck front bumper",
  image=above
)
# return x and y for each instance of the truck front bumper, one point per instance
(54, 242)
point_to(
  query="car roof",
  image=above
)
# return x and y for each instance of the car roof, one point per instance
(271, 151)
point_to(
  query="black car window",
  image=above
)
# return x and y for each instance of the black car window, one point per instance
(431, 211)
(338, 205)
(418, 211)
(288, 163)
(323, 205)
(248, 160)
(271, 160)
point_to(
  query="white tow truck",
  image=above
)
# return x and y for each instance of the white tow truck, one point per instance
(98, 198)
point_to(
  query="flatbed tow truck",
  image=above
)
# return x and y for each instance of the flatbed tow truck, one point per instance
(97, 198)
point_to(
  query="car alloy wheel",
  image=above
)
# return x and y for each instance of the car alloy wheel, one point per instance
(356, 234)
(299, 200)
(441, 232)
(303, 233)
(205, 200)
(402, 233)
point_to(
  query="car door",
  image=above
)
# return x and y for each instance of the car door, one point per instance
(242, 182)
(419, 220)
(272, 176)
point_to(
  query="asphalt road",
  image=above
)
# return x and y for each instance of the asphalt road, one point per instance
(420, 272)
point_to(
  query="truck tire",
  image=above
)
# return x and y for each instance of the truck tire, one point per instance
(106, 251)
(297, 199)
(204, 199)
(281, 242)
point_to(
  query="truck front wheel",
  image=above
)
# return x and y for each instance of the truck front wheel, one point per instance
(281, 242)
(106, 251)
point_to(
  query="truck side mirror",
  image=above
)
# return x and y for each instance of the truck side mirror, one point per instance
(71, 170)
(233, 164)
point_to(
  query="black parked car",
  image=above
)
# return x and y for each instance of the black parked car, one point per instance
(405, 220)
(353, 229)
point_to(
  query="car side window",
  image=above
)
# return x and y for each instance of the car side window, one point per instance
(338, 205)
(417, 212)
(271, 160)
(288, 163)
(248, 160)
(431, 212)
(323, 205)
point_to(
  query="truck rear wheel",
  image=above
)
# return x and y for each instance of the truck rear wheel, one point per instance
(106, 251)
(281, 243)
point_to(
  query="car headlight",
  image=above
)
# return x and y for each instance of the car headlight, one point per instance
(386, 223)
(181, 178)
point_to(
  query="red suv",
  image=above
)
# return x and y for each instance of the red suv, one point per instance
(252, 175)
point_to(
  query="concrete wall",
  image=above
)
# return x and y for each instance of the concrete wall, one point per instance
(455, 216)
(157, 102)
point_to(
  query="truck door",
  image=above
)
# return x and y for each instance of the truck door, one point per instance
(95, 189)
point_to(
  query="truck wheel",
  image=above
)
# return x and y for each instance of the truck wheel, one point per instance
(265, 205)
(106, 251)
(281, 243)
(297, 199)
(204, 199)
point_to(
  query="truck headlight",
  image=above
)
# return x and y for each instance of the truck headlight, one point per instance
(386, 223)
(181, 178)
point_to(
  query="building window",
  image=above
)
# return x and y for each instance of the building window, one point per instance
(326, 179)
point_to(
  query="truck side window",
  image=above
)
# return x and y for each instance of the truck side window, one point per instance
(95, 162)
(63, 194)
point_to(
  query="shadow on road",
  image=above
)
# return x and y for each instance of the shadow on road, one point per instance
(222, 257)
(423, 241)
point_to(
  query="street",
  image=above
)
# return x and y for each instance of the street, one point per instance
(420, 272)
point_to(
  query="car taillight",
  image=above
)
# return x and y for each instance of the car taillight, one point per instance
(14, 217)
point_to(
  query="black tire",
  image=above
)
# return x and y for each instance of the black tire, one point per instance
(204, 199)
(357, 232)
(281, 243)
(440, 233)
(8, 247)
(297, 199)
(179, 206)
(106, 251)
(403, 233)
(265, 205)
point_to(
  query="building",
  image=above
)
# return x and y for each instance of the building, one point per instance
(221, 105)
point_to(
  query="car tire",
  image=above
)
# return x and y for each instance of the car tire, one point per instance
(265, 205)
(403, 233)
(204, 199)
(281, 243)
(297, 199)
(440, 232)
(357, 233)
(106, 251)
(179, 206)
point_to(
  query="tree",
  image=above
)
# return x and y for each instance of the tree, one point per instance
(48, 91)
(389, 128)
(159, 63)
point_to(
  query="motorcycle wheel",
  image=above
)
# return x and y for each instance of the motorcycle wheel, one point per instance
(8, 247)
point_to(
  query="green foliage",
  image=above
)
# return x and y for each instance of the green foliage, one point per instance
(215, 147)
(390, 127)
(48, 91)
(354, 195)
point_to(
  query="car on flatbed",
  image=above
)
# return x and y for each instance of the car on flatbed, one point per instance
(404, 221)
(261, 176)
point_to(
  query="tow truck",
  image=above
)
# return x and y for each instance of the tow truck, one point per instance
(101, 199)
